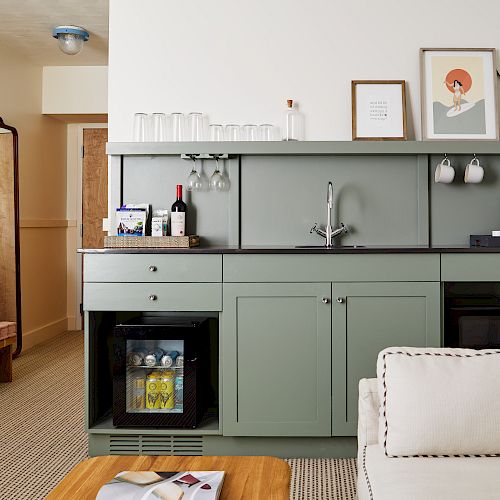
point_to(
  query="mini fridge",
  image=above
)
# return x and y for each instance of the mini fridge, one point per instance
(161, 372)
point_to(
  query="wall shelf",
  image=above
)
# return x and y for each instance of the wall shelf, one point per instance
(305, 148)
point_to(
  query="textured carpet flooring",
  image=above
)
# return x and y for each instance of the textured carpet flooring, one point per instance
(323, 478)
(42, 436)
(41, 418)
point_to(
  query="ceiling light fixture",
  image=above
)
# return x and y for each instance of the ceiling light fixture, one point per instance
(70, 38)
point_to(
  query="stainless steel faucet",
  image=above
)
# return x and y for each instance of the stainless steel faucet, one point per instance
(329, 233)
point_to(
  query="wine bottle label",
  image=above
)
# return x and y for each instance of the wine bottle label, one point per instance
(178, 223)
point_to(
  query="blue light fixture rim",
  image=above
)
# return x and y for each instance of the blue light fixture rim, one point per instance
(75, 30)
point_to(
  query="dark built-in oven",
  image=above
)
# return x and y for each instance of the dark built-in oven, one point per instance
(472, 315)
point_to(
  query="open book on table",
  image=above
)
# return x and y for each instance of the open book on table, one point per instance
(149, 485)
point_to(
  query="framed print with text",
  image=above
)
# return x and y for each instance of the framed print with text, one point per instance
(378, 110)
(458, 94)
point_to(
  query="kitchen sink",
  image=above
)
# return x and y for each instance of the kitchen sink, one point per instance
(330, 248)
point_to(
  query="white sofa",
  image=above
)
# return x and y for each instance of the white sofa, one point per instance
(381, 477)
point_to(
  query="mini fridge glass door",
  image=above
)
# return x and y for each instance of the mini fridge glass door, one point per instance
(154, 376)
(160, 372)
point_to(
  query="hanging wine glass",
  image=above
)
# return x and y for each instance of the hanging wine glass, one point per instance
(217, 181)
(194, 181)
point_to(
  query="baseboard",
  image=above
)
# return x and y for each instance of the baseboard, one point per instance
(72, 323)
(44, 333)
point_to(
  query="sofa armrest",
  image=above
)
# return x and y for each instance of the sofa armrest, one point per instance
(368, 410)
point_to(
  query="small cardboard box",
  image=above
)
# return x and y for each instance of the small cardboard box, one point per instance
(131, 221)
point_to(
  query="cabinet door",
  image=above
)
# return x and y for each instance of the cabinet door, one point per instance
(276, 359)
(368, 317)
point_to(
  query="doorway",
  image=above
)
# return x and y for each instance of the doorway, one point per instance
(87, 205)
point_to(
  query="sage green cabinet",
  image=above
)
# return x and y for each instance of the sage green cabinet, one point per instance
(470, 267)
(276, 359)
(366, 318)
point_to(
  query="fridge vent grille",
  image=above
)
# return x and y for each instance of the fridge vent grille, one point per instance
(155, 445)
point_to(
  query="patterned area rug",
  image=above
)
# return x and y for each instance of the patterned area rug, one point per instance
(42, 435)
(323, 478)
(41, 418)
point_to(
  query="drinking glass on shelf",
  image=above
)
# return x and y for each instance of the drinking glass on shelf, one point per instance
(216, 132)
(266, 132)
(232, 132)
(178, 127)
(159, 127)
(250, 132)
(141, 126)
(217, 181)
(194, 182)
(195, 121)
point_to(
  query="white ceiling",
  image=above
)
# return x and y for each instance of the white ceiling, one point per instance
(26, 27)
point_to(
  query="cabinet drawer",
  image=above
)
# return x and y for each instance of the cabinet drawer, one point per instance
(152, 297)
(336, 268)
(145, 268)
(470, 267)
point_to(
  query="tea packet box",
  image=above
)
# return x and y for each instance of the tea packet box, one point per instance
(131, 221)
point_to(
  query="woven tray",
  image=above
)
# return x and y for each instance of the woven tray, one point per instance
(151, 241)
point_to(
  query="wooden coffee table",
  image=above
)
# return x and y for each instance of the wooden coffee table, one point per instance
(246, 477)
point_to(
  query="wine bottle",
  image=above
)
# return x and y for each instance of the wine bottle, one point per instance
(178, 215)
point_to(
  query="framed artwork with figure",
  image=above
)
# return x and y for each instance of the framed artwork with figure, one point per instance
(458, 94)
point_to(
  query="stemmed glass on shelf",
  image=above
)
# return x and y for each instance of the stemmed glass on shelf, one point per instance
(194, 182)
(217, 181)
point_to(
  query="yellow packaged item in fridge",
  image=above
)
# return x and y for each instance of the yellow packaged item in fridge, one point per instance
(153, 391)
(167, 399)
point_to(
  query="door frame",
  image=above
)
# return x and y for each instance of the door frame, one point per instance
(75, 212)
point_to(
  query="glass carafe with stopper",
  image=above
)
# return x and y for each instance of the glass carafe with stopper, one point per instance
(293, 123)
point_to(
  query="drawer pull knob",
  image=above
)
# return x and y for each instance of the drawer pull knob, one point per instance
(340, 300)
(153, 268)
(325, 300)
(152, 297)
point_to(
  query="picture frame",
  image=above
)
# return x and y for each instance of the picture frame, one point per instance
(379, 110)
(458, 94)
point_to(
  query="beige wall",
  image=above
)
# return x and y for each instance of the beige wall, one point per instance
(75, 90)
(42, 157)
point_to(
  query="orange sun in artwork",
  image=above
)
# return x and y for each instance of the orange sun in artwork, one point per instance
(462, 76)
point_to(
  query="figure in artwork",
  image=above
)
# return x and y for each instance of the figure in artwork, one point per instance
(458, 90)
(458, 82)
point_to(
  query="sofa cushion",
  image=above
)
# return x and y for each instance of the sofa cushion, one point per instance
(383, 478)
(368, 405)
(439, 401)
(7, 329)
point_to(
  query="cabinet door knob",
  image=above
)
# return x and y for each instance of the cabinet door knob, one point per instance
(153, 268)
(340, 300)
(325, 300)
(152, 297)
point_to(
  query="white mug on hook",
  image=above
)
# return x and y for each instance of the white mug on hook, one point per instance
(445, 173)
(474, 173)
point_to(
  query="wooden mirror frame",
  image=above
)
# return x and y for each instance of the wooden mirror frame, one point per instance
(15, 145)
